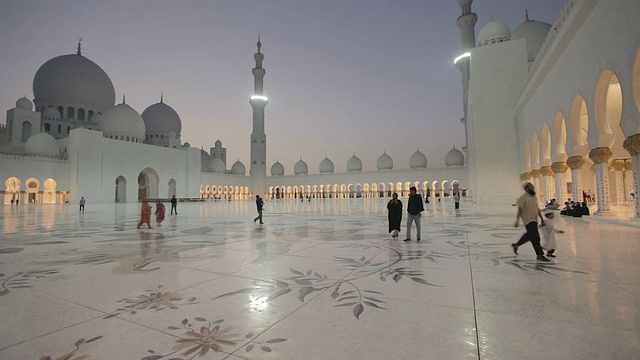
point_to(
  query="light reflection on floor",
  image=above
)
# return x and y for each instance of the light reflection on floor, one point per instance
(320, 280)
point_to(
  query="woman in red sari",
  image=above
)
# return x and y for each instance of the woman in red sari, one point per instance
(145, 214)
(160, 209)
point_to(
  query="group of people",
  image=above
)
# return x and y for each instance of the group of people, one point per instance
(575, 209)
(145, 211)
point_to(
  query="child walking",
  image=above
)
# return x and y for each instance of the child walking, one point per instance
(549, 232)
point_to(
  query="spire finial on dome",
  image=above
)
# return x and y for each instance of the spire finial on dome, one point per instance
(526, 14)
(161, 97)
(124, 99)
(259, 43)
(79, 47)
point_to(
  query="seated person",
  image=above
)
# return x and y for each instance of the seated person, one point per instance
(568, 207)
(585, 209)
(577, 210)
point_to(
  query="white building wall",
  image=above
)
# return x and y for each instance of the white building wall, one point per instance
(498, 74)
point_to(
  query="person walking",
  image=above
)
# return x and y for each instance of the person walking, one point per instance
(456, 199)
(160, 211)
(394, 208)
(414, 208)
(259, 205)
(549, 232)
(82, 202)
(145, 214)
(427, 196)
(174, 205)
(529, 212)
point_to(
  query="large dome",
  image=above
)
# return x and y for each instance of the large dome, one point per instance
(74, 79)
(326, 166)
(122, 120)
(418, 160)
(51, 114)
(300, 168)
(385, 162)
(41, 144)
(454, 158)
(161, 119)
(277, 169)
(238, 168)
(354, 164)
(494, 32)
(534, 32)
(217, 165)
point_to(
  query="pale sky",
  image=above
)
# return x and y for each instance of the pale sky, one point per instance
(343, 76)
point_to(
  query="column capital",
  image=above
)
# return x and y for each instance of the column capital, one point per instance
(632, 144)
(536, 174)
(628, 165)
(559, 167)
(546, 171)
(617, 164)
(575, 162)
(600, 155)
(525, 176)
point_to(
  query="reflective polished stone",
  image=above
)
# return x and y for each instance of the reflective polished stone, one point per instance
(319, 280)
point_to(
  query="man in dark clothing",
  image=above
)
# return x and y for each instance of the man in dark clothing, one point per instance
(414, 208)
(259, 204)
(174, 205)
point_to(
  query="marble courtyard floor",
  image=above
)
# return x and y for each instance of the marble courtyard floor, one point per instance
(319, 280)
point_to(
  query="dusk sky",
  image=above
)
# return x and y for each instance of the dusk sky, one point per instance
(343, 76)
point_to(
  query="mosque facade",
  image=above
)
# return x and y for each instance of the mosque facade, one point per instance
(557, 105)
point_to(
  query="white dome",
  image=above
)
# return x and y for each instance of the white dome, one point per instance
(24, 104)
(454, 158)
(354, 164)
(205, 160)
(218, 143)
(326, 166)
(74, 79)
(418, 160)
(122, 120)
(186, 144)
(385, 162)
(494, 32)
(96, 118)
(51, 114)
(277, 169)
(161, 119)
(300, 168)
(217, 165)
(41, 144)
(238, 168)
(534, 32)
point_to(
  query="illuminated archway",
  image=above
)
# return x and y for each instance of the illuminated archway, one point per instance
(148, 182)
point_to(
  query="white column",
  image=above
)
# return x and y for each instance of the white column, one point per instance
(560, 170)
(548, 183)
(600, 157)
(537, 184)
(575, 163)
(628, 181)
(618, 166)
(632, 145)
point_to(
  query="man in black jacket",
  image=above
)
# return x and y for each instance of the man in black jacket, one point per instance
(414, 208)
(259, 204)
(174, 205)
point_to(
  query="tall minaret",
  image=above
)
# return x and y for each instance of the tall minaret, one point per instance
(258, 102)
(466, 23)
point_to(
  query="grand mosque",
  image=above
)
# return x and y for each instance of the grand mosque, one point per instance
(556, 104)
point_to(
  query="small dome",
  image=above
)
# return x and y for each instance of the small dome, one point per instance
(122, 120)
(494, 32)
(74, 79)
(354, 164)
(326, 166)
(277, 169)
(217, 166)
(418, 160)
(161, 119)
(454, 158)
(51, 114)
(300, 168)
(41, 144)
(238, 168)
(24, 104)
(385, 162)
(218, 143)
(186, 144)
(534, 32)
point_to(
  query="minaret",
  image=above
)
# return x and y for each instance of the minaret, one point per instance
(466, 23)
(258, 102)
